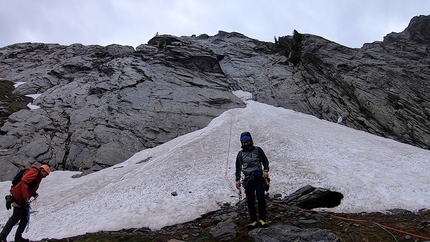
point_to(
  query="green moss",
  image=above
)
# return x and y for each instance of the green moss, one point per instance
(6, 88)
(10, 102)
(112, 237)
(345, 67)
(16, 106)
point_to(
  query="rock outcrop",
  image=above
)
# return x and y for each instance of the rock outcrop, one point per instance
(309, 197)
(99, 105)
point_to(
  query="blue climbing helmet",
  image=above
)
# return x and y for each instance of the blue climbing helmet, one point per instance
(246, 136)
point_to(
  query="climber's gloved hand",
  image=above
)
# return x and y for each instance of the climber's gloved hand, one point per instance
(8, 201)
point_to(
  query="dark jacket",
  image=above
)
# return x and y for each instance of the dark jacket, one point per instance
(28, 185)
(250, 159)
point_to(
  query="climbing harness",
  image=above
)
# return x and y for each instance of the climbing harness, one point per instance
(250, 177)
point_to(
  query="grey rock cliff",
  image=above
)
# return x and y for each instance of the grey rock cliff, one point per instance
(99, 105)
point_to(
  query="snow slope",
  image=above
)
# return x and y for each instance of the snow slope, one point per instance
(373, 174)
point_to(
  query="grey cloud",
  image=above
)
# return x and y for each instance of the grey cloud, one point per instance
(134, 22)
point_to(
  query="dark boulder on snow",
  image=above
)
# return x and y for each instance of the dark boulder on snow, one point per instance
(101, 104)
(309, 197)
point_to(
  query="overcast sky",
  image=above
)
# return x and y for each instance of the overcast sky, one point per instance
(134, 22)
(373, 174)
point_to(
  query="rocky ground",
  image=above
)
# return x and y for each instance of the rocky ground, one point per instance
(397, 225)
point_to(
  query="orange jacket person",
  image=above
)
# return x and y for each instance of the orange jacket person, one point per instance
(22, 192)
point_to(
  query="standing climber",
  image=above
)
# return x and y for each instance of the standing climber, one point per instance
(21, 194)
(254, 164)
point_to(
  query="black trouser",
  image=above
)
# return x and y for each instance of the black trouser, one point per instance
(19, 214)
(256, 187)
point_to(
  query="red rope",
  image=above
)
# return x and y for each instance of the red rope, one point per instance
(403, 232)
(228, 154)
(357, 220)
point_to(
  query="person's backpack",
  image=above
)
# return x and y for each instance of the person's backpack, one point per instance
(17, 178)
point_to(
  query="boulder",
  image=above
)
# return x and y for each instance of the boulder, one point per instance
(224, 231)
(309, 197)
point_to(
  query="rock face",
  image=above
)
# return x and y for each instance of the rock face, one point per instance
(99, 105)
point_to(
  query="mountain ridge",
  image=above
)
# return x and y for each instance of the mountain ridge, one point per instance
(100, 105)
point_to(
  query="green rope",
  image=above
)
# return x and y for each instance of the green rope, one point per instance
(386, 230)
